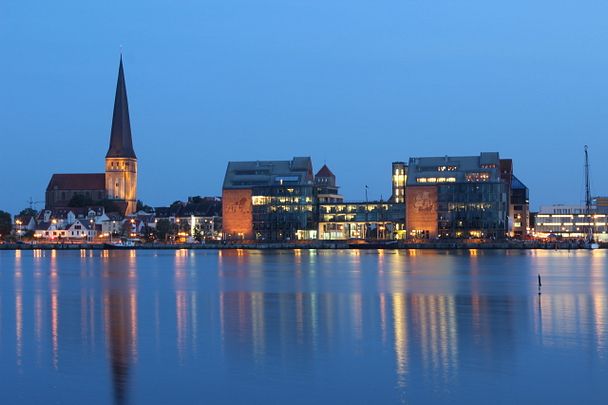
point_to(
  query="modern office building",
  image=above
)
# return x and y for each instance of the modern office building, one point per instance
(360, 220)
(571, 221)
(269, 200)
(458, 197)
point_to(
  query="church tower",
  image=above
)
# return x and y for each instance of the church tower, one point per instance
(121, 162)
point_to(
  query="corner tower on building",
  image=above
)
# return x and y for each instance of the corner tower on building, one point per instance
(121, 161)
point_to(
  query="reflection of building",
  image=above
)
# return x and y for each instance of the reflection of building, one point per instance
(119, 182)
(269, 200)
(458, 197)
(120, 312)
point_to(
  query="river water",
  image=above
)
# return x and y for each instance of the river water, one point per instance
(300, 327)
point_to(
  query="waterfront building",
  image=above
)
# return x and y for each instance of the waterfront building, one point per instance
(519, 209)
(360, 220)
(571, 221)
(119, 182)
(458, 197)
(398, 182)
(78, 230)
(269, 200)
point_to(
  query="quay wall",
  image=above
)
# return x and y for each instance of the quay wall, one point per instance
(511, 244)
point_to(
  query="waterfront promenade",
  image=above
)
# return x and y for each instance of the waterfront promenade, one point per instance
(339, 245)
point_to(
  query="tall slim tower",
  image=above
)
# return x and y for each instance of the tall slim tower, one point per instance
(121, 162)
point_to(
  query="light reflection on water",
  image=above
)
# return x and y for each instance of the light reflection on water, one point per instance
(302, 326)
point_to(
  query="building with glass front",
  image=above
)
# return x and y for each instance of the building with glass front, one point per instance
(458, 197)
(398, 180)
(572, 221)
(360, 220)
(269, 200)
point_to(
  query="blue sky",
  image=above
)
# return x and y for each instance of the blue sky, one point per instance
(357, 84)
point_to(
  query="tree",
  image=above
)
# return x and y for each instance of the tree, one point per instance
(150, 234)
(143, 207)
(6, 224)
(164, 227)
(28, 212)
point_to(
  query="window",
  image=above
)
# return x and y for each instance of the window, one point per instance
(477, 176)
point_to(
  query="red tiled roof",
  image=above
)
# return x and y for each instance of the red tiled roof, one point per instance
(85, 181)
(324, 172)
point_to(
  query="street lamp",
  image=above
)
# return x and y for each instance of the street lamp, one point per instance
(18, 223)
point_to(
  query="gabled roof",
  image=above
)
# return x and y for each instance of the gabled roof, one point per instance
(85, 224)
(121, 144)
(324, 172)
(43, 226)
(80, 181)
(25, 219)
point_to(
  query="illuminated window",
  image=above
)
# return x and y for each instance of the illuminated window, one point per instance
(477, 176)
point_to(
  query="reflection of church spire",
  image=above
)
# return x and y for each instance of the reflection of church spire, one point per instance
(120, 307)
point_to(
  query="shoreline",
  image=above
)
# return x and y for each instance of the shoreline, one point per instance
(336, 245)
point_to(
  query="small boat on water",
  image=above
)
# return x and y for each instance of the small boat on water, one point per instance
(590, 242)
(123, 244)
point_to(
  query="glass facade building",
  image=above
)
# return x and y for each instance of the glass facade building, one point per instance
(458, 197)
(360, 220)
(269, 200)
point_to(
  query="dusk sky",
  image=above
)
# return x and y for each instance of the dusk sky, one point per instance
(356, 84)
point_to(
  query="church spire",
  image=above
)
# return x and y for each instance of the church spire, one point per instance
(121, 144)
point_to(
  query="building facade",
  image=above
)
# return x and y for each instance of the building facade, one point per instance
(457, 197)
(519, 209)
(360, 220)
(269, 200)
(398, 182)
(571, 222)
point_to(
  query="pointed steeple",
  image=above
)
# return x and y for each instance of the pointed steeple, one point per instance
(121, 144)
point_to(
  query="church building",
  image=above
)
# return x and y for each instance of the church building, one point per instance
(119, 182)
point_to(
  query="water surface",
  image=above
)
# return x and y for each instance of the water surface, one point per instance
(369, 327)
